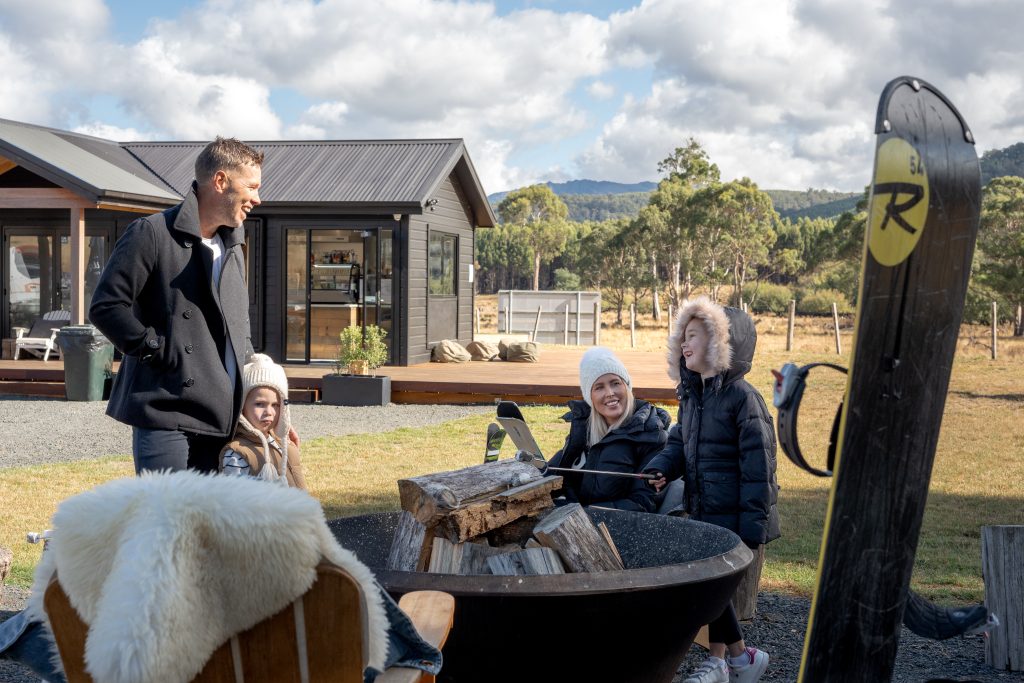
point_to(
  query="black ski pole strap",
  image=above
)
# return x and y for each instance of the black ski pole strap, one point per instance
(790, 383)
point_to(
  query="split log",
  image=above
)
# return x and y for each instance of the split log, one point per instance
(410, 547)
(570, 531)
(431, 496)
(603, 528)
(463, 558)
(744, 600)
(526, 562)
(1002, 566)
(483, 515)
(519, 531)
(445, 556)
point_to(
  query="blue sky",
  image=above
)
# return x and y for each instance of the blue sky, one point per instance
(781, 91)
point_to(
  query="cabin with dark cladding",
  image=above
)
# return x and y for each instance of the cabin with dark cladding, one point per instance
(348, 233)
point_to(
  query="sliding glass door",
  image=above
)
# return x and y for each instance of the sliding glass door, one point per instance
(333, 280)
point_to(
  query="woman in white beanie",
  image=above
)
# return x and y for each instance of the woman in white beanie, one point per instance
(610, 431)
(261, 447)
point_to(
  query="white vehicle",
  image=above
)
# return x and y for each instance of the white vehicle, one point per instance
(23, 271)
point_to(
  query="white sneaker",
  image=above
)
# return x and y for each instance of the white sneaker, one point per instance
(754, 663)
(711, 670)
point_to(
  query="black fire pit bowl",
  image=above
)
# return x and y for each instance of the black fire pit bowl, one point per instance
(601, 627)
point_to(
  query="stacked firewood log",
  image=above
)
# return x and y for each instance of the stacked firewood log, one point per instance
(495, 518)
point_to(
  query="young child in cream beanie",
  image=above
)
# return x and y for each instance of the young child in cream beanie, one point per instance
(260, 447)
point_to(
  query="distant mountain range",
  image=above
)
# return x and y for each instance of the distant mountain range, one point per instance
(599, 200)
(587, 187)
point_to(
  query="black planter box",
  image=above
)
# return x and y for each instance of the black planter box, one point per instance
(355, 390)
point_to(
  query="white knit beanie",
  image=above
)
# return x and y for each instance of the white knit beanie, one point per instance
(596, 362)
(262, 371)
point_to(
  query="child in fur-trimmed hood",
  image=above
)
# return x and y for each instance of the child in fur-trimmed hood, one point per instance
(261, 447)
(723, 446)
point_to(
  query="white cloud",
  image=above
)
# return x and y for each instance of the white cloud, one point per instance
(783, 91)
(25, 90)
(109, 132)
(600, 90)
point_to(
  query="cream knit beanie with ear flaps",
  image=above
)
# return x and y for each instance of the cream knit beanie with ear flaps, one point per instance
(262, 371)
(596, 362)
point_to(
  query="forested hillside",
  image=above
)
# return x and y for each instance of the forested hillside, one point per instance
(603, 207)
(812, 203)
(996, 163)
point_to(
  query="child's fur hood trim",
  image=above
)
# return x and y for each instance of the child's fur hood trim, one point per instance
(717, 323)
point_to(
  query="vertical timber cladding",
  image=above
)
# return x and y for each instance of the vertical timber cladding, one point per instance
(451, 215)
(922, 224)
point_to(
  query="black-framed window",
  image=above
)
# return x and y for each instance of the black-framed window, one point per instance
(442, 264)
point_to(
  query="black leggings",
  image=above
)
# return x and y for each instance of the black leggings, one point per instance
(726, 628)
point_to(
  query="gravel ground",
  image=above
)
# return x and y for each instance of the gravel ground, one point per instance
(53, 430)
(37, 431)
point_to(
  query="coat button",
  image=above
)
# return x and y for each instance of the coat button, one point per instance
(188, 244)
(153, 343)
(189, 382)
(188, 348)
(187, 313)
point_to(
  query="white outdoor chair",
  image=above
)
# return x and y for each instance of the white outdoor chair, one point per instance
(41, 339)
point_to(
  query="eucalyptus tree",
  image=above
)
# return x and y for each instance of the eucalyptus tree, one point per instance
(1000, 263)
(750, 221)
(542, 221)
(670, 221)
(503, 259)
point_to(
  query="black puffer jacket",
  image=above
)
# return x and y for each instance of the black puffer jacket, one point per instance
(624, 449)
(724, 442)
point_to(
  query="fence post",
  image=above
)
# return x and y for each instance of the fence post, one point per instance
(1002, 565)
(477, 330)
(792, 320)
(597, 323)
(565, 327)
(835, 322)
(632, 326)
(743, 305)
(995, 326)
(508, 314)
(579, 303)
(536, 325)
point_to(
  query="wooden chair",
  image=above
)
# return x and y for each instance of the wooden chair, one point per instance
(41, 339)
(318, 638)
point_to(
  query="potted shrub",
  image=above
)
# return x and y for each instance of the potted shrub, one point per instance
(354, 381)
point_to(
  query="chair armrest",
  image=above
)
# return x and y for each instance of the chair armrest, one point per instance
(69, 632)
(19, 332)
(431, 613)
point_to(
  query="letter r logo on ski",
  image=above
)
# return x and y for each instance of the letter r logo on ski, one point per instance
(899, 202)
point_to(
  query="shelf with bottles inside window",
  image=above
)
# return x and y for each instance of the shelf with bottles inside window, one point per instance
(335, 276)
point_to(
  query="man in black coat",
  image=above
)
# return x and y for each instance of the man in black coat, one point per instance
(173, 300)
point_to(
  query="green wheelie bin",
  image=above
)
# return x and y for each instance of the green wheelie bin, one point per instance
(88, 362)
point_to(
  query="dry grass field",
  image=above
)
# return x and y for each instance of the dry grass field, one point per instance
(976, 479)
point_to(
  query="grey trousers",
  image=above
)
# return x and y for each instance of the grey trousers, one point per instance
(156, 450)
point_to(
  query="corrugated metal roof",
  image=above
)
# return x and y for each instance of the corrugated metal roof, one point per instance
(94, 168)
(361, 172)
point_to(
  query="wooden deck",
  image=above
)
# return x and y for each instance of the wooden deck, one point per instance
(553, 379)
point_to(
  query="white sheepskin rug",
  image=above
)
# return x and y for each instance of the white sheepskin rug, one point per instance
(165, 568)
